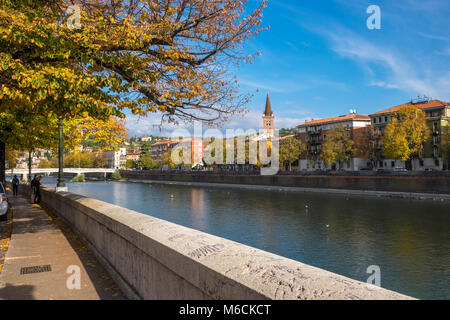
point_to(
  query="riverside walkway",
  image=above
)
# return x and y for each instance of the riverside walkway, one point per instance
(41, 252)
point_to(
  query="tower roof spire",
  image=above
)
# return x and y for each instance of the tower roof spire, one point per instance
(268, 111)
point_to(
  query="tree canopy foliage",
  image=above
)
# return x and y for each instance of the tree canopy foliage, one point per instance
(338, 146)
(290, 151)
(445, 143)
(405, 135)
(166, 56)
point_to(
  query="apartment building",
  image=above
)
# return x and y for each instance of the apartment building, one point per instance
(133, 154)
(193, 145)
(158, 149)
(437, 116)
(146, 138)
(37, 156)
(314, 133)
(117, 159)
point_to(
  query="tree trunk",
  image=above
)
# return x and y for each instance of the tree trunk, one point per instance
(408, 165)
(61, 182)
(2, 162)
(30, 162)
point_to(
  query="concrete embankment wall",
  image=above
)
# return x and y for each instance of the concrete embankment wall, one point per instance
(406, 184)
(87, 175)
(154, 259)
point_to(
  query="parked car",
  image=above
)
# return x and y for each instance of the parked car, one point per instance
(429, 169)
(4, 205)
(400, 169)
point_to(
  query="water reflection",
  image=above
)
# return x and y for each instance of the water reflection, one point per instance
(409, 240)
(198, 208)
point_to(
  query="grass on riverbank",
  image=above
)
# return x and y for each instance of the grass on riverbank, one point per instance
(117, 177)
(78, 178)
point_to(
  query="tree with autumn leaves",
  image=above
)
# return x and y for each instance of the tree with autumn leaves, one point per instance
(338, 146)
(145, 56)
(405, 135)
(290, 151)
(445, 144)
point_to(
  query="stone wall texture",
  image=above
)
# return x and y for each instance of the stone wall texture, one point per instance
(154, 259)
(407, 184)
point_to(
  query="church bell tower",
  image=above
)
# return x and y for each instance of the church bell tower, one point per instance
(268, 118)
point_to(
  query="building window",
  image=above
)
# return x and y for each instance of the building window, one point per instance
(374, 120)
(436, 162)
(392, 164)
(385, 119)
(421, 162)
(324, 136)
(379, 119)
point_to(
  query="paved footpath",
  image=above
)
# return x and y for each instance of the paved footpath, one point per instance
(41, 250)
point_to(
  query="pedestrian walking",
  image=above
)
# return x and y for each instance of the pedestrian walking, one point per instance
(15, 185)
(37, 189)
(33, 188)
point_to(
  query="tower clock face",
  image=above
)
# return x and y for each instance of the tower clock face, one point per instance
(268, 123)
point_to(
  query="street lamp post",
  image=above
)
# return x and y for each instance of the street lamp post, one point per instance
(30, 162)
(61, 183)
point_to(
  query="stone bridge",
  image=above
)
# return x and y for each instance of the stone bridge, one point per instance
(97, 172)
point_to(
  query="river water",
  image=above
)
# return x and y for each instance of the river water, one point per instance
(409, 240)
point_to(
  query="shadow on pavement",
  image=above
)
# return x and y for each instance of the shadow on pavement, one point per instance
(11, 292)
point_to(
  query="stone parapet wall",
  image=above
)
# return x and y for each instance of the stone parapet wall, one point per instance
(155, 259)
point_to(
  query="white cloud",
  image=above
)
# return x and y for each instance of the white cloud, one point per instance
(444, 52)
(434, 36)
(253, 120)
(401, 70)
(382, 84)
(284, 87)
(150, 125)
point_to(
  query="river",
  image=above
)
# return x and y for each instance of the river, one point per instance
(409, 240)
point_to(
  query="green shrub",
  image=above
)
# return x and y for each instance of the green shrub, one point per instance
(116, 175)
(78, 178)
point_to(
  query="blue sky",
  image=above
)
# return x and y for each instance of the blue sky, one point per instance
(319, 60)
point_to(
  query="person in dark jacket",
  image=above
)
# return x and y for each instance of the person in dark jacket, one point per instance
(15, 184)
(37, 189)
(32, 183)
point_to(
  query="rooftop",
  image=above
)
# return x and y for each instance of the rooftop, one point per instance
(350, 116)
(176, 141)
(163, 142)
(421, 105)
(268, 110)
